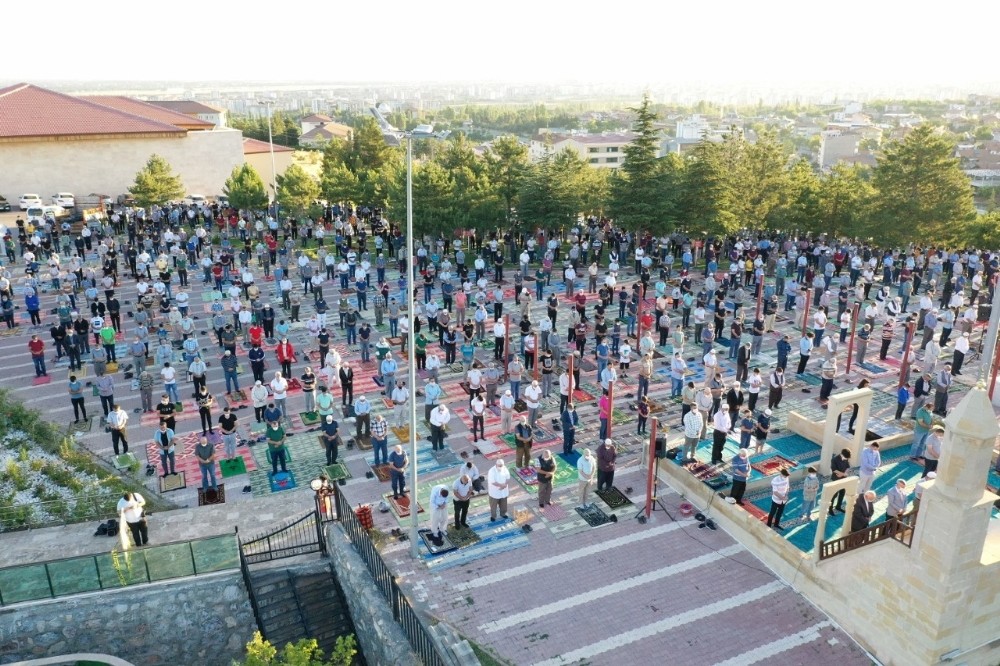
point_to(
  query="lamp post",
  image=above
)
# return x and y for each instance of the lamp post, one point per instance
(425, 132)
(269, 103)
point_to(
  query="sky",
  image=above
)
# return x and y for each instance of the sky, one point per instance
(769, 42)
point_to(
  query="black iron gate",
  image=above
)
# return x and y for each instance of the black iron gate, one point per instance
(300, 537)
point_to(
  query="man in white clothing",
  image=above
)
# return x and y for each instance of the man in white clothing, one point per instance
(400, 400)
(440, 418)
(439, 513)
(498, 487)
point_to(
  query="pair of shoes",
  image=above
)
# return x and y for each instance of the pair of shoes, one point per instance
(779, 528)
(246, 490)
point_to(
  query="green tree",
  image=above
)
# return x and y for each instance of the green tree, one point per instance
(637, 194)
(550, 196)
(155, 184)
(800, 208)
(844, 201)
(338, 183)
(984, 231)
(296, 190)
(705, 202)
(245, 189)
(305, 652)
(921, 191)
(760, 179)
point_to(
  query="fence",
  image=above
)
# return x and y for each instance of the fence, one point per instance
(402, 610)
(899, 529)
(59, 512)
(107, 571)
(300, 537)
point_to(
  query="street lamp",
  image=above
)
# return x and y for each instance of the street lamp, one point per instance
(269, 103)
(419, 132)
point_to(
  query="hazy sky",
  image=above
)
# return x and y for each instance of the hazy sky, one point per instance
(648, 42)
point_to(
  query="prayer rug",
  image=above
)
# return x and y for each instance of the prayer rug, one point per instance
(570, 459)
(112, 367)
(402, 433)
(281, 481)
(527, 475)
(433, 548)
(82, 426)
(232, 467)
(543, 436)
(773, 465)
(212, 496)
(172, 482)
(401, 506)
(613, 498)
(462, 537)
(364, 443)
(288, 455)
(580, 396)
(874, 369)
(553, 512)
(294, 384)
(565, 475)
(237, 399)
(382, 472)
(619, 417)
(487, 448)
(309, 418)
(126, 461)
(394, 341)
(593, 515)
(44, 379)
(337, 471)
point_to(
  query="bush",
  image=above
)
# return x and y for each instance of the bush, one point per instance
(305, 652)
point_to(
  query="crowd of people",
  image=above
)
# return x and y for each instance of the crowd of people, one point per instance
(619, 298)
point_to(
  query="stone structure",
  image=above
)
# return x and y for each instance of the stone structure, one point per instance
(204, 620)
(935, 601)
(825, 432)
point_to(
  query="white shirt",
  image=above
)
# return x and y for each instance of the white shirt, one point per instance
(400, 395)
(532, 394)
(168, 374)
(475, 378)
(501, 476)
(440, 416)
(779, 489)
(132, 510)
(721, 421)
(280, 388)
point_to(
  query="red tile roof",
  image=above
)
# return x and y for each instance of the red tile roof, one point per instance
(187, 107)
(317, 118)
(255, 147)
(151, 111)
(29, 111)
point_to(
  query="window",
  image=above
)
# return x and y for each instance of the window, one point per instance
(594, 160)
(611, 149)
(591, 150)
(612, 160)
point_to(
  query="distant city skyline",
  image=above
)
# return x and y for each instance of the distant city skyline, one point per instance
(776, 45)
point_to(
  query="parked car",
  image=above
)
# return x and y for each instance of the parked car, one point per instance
(30, 201)
(36, 213)
(4, 204)
(64, 199)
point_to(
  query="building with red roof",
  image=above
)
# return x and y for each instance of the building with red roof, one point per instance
(53, 142)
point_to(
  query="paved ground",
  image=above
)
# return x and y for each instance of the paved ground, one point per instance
(566, 592)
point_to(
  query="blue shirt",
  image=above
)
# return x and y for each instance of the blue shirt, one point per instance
(397, 461)
(741, 468)
(362, 407)
(871, 460)
(388, 366)
(431, 393)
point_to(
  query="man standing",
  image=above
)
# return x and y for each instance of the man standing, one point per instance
(779, 497)
(164, 439)
(478, 409)
(37, 348)
(362, 417)
(440, 418)
(864, 507)
(130, 508)
(532, 398)
(569, 420)
(506, 411)
(941, 385)
(205, 453)
(229, 369)
(871, 461)
(932, 449)
(462, 489)
(741, 472)
(331, 441)
(76, 398)
(585, 467)
(227, 423)
(840, 465)
(524, 438)
(439, 513)
(400, 400)
(722, 425)
(898, 499)
(398, 462)
(498, 488)
(546, 472)
(693, 422)
(276, 446)
(607, 454)
(117, 421)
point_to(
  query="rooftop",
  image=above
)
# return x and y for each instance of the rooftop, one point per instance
(255, 147)
(187, 107)
(149, 110)
(29, 111)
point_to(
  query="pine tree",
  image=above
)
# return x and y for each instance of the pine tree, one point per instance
(245, 189)
(637, 196)
(155, 184)
(296, 190)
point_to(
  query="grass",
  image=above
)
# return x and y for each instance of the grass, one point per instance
(487, 657)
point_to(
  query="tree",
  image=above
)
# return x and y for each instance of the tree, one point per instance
(844, 200)
(245, 189)
(507, 162)
(305, 652)
(800, 208)
(637, 195)
(922, 192)
(707, 193)
(551, 196)
(296, 190)
(338, 183)
(155, 184)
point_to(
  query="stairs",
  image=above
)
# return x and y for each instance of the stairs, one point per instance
(301, 605)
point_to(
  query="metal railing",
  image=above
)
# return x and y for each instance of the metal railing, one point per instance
(402, 610)
(49, 513)
(899, 529)
(301, 537)
(248, 583)
(108, 571)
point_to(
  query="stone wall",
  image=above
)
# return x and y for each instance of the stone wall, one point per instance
(205, 620)
(380, 637)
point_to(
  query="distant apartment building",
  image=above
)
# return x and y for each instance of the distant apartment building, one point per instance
(605, 150)
(838, 146)
(694, 128)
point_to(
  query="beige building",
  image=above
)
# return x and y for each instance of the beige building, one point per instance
(606, 150)
(258, 155)
(51, 142)
(318, 130)
(205, 112)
